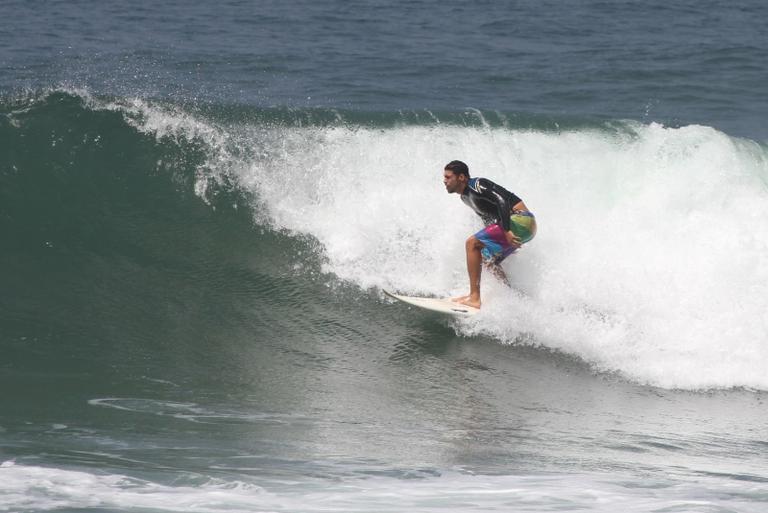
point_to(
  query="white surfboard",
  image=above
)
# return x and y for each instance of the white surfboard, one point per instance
(433, 304)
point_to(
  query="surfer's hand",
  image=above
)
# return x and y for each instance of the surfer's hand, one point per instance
(513, 240)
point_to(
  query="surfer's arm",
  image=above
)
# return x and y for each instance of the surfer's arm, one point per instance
(513, 239)
(503, 208)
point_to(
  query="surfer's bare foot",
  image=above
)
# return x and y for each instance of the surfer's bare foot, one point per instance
(470, 301)
(460, 298)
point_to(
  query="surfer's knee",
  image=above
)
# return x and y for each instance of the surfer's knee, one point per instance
(473, 243)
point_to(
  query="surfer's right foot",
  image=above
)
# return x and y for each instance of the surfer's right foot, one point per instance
(467, 301)
(470, 301)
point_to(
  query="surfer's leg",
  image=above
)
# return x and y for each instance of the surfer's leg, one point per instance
(489, 246)
(474, 270)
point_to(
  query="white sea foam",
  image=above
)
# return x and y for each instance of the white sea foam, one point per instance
(33, 488)
(652, 253)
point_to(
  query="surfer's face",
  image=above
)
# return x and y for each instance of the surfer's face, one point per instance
(453, 182)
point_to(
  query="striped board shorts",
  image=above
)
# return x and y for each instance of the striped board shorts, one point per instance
(495, 245)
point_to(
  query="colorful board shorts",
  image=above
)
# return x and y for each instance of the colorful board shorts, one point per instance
(495, 245)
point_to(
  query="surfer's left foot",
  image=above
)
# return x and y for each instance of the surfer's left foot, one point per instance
(459, 299)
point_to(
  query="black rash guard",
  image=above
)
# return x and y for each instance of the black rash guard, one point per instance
(492, 202)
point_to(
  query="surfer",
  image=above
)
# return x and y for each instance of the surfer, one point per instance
(508, 225)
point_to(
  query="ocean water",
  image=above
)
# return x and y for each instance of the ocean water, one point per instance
(200, 205)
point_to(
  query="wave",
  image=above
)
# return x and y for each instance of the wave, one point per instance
(650, 260)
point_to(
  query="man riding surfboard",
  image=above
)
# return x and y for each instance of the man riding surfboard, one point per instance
(508, 225)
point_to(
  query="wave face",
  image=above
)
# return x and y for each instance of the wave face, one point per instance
(650, 261)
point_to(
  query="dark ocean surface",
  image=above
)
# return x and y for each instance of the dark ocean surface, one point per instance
(201, 203)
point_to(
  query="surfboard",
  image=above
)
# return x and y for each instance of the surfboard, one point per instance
(433, 304)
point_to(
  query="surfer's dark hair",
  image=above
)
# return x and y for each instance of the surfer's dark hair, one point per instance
(457, 167)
